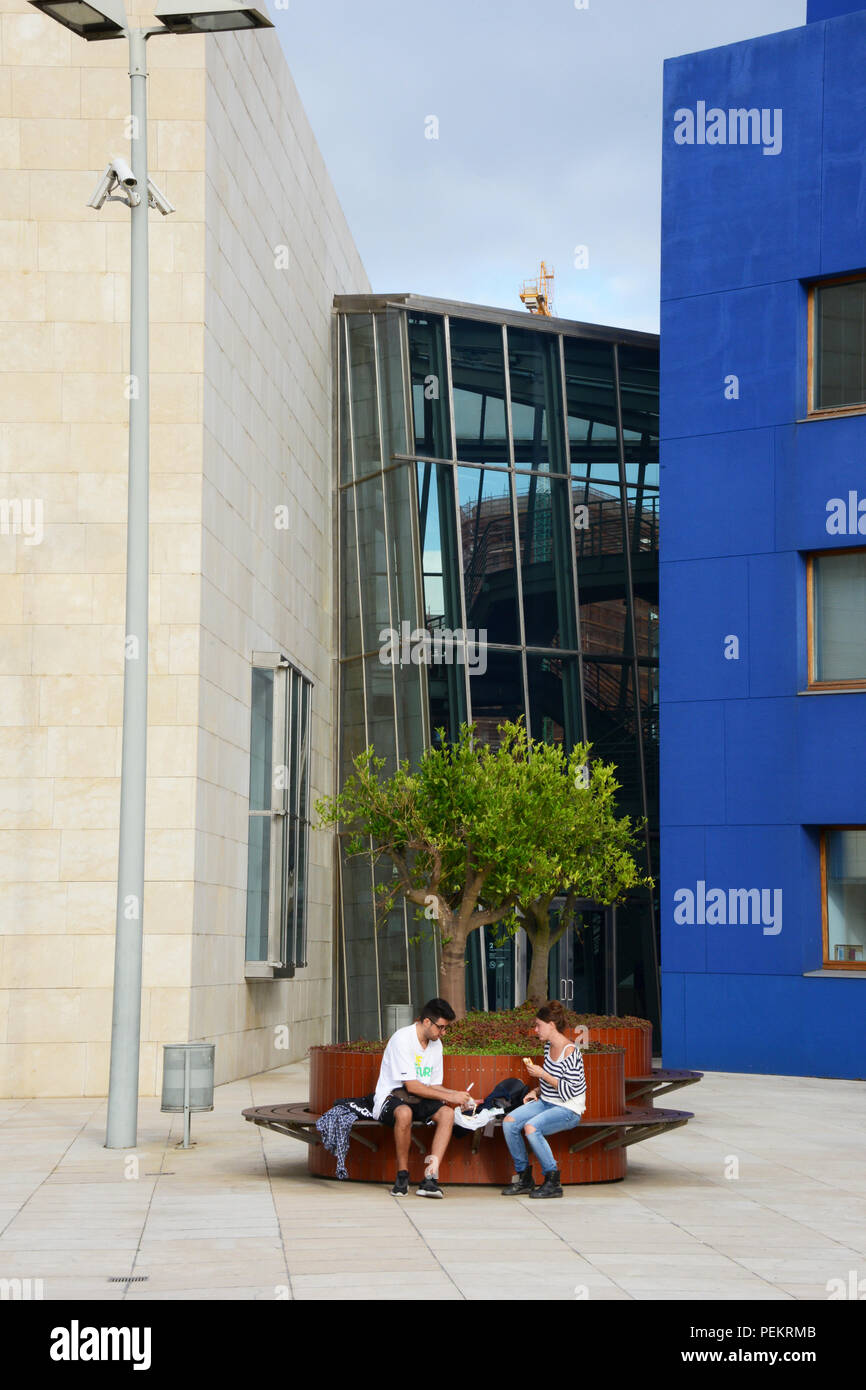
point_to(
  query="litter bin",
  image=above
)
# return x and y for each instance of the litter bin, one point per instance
(187, 1080)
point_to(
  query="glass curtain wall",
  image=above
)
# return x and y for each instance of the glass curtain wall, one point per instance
(499, 493)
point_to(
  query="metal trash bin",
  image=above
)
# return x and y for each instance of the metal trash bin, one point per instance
(187, 1080)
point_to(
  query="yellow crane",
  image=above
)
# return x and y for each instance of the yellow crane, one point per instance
(537, 294)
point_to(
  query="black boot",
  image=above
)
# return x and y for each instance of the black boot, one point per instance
(551, 1187)
(521, 1185)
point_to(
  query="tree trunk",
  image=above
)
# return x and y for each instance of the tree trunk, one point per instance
(537, 986)
(452, 970)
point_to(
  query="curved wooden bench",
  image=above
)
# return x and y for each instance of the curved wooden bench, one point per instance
(658, 1082)
(596, 1153)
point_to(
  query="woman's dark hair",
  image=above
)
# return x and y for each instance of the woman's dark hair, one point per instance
(437, 1008)
(553, 1012)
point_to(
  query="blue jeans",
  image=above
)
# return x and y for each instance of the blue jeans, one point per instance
(545, 1119)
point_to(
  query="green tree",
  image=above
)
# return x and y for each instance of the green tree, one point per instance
(593, 847)
(460, 833)
(467, 833)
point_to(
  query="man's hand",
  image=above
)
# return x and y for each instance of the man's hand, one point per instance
(463, 1100)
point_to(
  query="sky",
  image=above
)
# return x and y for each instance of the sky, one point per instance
(548, 125)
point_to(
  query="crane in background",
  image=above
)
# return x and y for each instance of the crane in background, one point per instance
(537, 294)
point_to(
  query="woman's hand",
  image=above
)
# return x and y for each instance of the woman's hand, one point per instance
(534, 1069)
(530, 1095)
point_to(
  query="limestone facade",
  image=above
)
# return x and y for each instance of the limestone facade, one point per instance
(243, 276)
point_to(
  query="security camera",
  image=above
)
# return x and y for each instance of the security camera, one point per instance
(117, 175)
(157, 199)
(122, 172)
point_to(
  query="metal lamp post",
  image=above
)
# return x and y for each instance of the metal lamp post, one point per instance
(106, 19)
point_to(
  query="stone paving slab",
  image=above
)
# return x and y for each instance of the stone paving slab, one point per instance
(753, 1200)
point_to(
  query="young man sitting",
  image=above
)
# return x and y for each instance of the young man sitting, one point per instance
(410, 1088)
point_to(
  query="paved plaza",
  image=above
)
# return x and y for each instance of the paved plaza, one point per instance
(762, 1196)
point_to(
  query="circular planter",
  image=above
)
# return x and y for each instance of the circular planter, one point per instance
(637, 1044)
(338, 1074)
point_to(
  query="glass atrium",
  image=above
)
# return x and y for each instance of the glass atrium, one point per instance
(498, 490)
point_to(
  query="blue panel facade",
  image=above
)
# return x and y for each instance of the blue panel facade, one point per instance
(755, 207)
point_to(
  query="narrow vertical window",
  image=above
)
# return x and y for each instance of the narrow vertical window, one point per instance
(276, 938)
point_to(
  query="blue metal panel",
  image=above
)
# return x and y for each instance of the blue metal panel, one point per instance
(721, 360)
(829, 9)
(691, 743)
(775, 624)
(748, 488)
(709, 600)
(718, 495)
(843, 194)
(761, 761)
(673, 1019)
(760, 933)
(732, 215)
(821, 484)
(831, 736)
(782, 1024)
(683, 861)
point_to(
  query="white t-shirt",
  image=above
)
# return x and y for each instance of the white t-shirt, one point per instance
(406, 1060)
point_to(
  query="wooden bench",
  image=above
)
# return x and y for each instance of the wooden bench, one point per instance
(659, 1082)
(617, 1131)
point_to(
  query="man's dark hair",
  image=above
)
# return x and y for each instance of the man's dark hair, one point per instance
(435, 1009)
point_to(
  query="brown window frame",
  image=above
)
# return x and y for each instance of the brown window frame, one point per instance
(812, 683)
(828, 964)
(814, 412)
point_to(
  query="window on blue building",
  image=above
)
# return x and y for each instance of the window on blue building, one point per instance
(839, 345)
(837, 619)
(843, 862)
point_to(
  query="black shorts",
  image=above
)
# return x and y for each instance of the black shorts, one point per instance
(423, 1108)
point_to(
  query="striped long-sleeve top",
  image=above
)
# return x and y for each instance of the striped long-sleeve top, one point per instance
(570, 1088)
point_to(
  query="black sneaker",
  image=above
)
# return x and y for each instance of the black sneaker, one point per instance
(429, 1188)
(521, 1184)
(401, 1184)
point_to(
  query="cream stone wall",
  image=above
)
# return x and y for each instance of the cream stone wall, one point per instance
(278, 249)
(240, 423)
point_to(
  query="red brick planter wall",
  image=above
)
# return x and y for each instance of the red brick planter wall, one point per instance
(334, 1075)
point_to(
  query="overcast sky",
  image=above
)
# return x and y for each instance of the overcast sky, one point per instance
(548, 136)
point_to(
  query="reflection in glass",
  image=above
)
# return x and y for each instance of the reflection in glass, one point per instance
(612, 726)
(840, 345)
(391, 390)
(839, 616)
(261, 739)
(429, 385)
(364, 396)
(544, 524)
(489, 567)
(373, 569)
(591, 401)
(846, 896)
(258, 887)
(478, 373)
(536, 399)
(496, 692)
(554, 698)
(639, 388)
